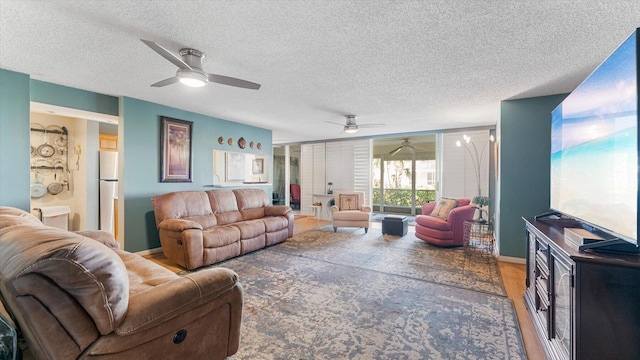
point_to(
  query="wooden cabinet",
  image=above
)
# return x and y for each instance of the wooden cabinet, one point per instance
(108, 142)
(584, 305)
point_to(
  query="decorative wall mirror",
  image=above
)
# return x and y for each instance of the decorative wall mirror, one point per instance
(231, 168)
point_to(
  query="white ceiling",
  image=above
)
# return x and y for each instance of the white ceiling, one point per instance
(414, 65)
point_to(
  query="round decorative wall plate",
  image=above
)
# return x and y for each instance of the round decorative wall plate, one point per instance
(259, 146)
(242, 143)
(230, 141)
(220, 140)
(45, 150)
(251, 144)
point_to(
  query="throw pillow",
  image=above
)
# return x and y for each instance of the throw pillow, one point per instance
(349, 202)
(443, 208)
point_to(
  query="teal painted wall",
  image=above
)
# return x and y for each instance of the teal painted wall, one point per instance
(15, 156)
(525, 149)
(59, 95)
(141, 137)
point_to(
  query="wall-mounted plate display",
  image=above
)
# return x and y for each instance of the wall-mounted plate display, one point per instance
(259, 146)
(242, 143)
(230, 141)
(46, 150)
(220, 140)
(251, 144)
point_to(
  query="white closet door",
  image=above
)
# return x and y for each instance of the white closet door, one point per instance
(362, 157)
(347, 164)
(312, 174)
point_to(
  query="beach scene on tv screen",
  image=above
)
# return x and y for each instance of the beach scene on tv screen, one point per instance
(594, 147)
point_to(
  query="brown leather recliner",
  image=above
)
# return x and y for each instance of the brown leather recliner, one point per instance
(78, 296)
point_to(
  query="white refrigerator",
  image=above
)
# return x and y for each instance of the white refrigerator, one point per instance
(108, 179)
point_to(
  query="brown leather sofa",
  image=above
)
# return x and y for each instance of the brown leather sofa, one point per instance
(78, 296)
(199, 228)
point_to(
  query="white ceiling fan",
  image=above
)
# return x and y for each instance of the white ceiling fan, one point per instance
(406, 144)
(351, 126)
(190, 70)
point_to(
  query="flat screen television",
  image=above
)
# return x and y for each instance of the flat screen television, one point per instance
(594, 151)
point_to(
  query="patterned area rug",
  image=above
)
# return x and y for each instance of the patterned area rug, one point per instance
(349, 295)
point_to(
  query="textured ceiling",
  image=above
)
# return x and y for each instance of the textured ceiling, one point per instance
(413, 65)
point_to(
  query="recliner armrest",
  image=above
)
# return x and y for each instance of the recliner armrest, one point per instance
(277, 210)
(179, 225)
(174, 298)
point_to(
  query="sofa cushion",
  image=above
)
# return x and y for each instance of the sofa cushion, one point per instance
(220, 236)
(251, 228)
(144, 274)
(275, 223)
(443, 207)
(224, 206)
(251, 203)
(192, 205)
(355, 215)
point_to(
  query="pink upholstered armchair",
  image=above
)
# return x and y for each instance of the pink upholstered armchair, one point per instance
(447, 228)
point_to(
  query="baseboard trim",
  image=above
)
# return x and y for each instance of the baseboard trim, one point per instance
(148, 252)
(511, 259)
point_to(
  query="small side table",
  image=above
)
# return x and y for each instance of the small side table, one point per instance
(479, 235)
(316, 210)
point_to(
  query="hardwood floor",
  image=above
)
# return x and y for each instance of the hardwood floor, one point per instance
(513, 277)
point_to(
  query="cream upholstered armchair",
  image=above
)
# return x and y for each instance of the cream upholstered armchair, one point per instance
(350, 211)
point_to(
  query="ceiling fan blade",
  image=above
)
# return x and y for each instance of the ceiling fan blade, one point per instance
(334, 123)
(226, 80)
(370, 125)
(165, 82)
(176, 60)
(396, 150)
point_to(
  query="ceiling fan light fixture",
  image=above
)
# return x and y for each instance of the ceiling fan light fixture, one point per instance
(351, 129)
(192, 78)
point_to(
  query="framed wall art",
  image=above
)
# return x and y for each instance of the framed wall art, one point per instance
(176, 150)
(258, 166)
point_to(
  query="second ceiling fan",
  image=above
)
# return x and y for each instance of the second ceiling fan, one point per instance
(406, 144)
(350, 126)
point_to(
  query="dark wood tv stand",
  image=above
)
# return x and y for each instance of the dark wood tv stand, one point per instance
(584, 305)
